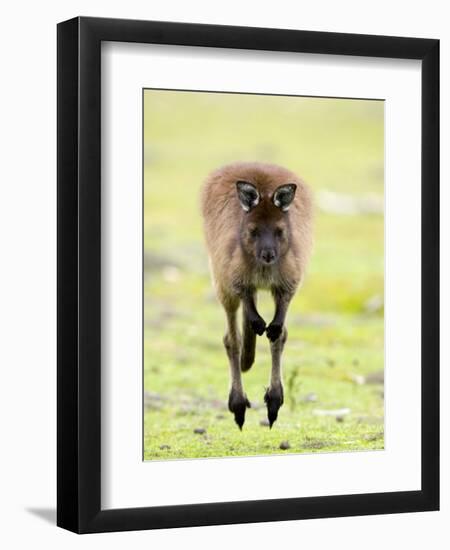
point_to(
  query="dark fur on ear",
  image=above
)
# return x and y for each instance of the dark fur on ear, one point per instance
(284, 195)
(248, 195)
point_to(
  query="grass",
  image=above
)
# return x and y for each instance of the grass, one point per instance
(335, 337)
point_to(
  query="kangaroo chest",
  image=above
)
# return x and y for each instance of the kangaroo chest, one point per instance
(264, 277)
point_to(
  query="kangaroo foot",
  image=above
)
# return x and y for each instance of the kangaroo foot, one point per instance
(238, 404)
(273, 399)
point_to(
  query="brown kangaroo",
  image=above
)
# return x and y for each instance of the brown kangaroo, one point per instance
(258, 228)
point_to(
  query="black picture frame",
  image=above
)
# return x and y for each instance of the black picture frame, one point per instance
(79, 275)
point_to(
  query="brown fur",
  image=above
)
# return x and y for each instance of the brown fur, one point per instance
(237, 273)
(224, 218)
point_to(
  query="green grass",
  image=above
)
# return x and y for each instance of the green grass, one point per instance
(334, 338)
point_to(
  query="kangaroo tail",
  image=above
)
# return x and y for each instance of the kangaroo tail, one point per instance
(248, 344)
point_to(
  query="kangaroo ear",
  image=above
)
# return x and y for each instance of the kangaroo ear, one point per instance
(284, 195)
(248, 195)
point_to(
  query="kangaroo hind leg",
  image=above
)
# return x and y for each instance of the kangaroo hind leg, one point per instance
(237, 400)
(274, 393)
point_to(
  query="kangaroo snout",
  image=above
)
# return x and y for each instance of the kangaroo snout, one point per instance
(268, 256)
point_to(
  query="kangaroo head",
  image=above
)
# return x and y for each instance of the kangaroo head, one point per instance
(265, 229)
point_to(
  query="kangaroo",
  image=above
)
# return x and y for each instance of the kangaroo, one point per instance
(258, 229)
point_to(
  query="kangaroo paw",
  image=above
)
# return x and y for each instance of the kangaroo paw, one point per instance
(274, 331)
(273, 399)
(238, 404)
(258, 326)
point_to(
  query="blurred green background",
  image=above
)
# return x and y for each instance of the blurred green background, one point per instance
(333, 360)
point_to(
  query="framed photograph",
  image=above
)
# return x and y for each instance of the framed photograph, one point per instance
(248, 274)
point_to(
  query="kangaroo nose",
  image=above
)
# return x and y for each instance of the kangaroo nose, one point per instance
(268, 256)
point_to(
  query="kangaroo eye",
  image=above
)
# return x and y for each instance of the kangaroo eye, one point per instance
(253, 232)
(278, 232)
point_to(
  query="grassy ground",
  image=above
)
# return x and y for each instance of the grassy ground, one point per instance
(333, 361)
